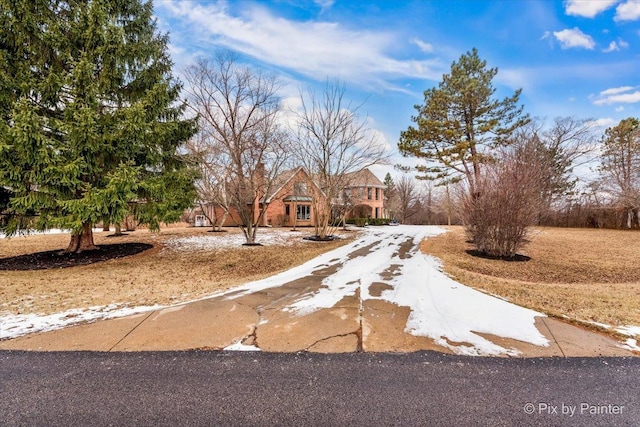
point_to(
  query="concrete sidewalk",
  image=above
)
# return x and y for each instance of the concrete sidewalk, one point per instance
(256, 320)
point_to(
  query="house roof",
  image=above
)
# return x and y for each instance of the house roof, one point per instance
(364, 178)
(361, 178)
(283, 179)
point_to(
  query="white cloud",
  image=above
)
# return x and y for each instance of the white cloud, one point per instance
(616, 90)
(574, 38)
(312, 48)
(620, 108)
(602, 123)
(515, 78)
(587, 8)
(619, 95)
(324, 4)
(615, 46)
(629, 11)
(626, 98)
(424, 46)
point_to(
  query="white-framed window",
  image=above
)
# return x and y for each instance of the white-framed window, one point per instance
(368, 193)
(201, 221)
(303, 212)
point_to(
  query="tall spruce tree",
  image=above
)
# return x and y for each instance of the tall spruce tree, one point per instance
(90, 117)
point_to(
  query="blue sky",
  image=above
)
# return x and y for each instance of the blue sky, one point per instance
(571, 58)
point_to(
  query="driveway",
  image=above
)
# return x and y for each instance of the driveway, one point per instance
(377, 294)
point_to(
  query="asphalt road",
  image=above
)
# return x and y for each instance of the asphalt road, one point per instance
(232, 388)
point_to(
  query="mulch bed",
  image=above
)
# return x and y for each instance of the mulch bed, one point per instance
(60, 259)
(515, 258)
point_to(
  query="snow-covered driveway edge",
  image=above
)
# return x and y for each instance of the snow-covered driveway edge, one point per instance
(16, 325)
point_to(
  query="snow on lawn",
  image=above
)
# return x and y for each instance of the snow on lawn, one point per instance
(50, 231)
(441, 308)
(15, 325)
(265, 236)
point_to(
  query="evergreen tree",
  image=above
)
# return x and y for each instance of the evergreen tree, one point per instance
(388, 182)
(460, 123)
(91, 122)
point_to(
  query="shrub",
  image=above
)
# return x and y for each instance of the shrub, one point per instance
(507, 200)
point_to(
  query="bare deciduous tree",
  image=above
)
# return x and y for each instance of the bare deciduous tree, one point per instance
(408, 198)
(238, 107)
(620, 168)
(498, 216)
(213, 171)
(332, 141)
(568, 143)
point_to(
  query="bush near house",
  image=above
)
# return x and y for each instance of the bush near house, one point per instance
(361, 222)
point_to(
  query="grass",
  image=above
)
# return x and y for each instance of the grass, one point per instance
(588, 275)
(161, 275)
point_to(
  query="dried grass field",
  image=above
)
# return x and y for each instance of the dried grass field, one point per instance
(176, 269)
(587, 275)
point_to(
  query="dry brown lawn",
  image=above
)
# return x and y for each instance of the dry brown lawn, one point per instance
(161, 275)
(588, 275)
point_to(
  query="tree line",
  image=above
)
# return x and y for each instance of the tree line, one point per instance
(96, 128)
(509, 171)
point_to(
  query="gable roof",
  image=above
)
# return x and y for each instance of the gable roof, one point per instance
(284, 178)
(364, 178)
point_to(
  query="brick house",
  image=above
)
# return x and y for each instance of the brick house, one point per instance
(291, 202)
(365, 195)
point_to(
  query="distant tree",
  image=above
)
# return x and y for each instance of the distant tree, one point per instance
(390, 199)
(565, 145)
(238, 107)
(460, 123)
(90, 119)
(213, 170)
(408, 198)
(620, 168)
(332, 141)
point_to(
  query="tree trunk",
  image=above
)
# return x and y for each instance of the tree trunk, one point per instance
(224, 218)
(82, 241)
(129, 223)
(118, 229)
(105, 226)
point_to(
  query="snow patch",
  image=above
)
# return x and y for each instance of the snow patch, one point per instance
(266, 237)
(15, 325)
(26, 233)
(241, 347)
(629, 330)
(630, 344)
